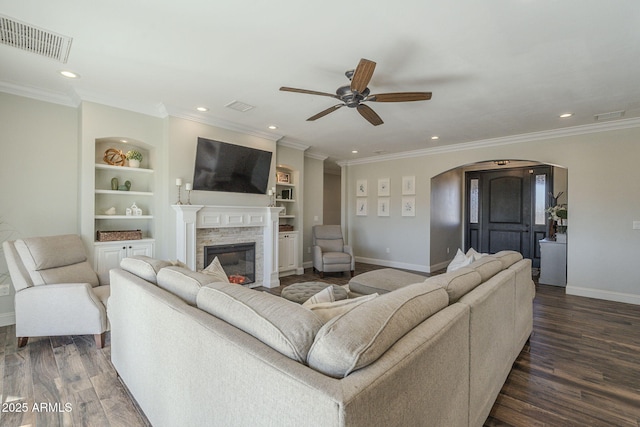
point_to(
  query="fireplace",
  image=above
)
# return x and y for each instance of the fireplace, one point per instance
(238, 260)
(198, 226)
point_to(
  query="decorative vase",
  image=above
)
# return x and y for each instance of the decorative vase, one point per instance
(114, 183)
(133, 163)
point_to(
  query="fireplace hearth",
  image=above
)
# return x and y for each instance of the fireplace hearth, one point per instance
(238, 261)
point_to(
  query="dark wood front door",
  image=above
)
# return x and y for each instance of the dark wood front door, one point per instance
(505, 210)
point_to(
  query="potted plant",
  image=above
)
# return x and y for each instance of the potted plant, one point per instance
(134, 157)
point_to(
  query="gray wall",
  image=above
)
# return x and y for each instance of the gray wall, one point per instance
(331, 205)
(446, 217)
(313, 204)
(38, 172)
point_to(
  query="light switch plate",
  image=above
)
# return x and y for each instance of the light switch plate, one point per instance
(636, 225)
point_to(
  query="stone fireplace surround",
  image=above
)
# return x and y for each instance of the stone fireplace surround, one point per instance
(199, 225)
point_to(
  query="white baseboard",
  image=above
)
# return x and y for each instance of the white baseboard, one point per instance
(7, 319)
(603, 294)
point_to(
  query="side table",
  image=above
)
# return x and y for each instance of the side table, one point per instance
(553, 263)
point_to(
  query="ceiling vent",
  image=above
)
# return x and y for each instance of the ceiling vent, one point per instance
(609, 116)
(33, 39)
(239, 106)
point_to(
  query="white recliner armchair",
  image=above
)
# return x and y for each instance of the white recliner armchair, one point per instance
(57, 290)
(330, 254)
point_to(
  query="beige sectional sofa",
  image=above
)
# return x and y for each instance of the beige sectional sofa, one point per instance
(436, 352)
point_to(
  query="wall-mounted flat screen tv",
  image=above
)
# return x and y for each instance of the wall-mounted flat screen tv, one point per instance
(221, 166)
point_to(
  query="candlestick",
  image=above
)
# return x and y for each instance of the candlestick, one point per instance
(179, 184)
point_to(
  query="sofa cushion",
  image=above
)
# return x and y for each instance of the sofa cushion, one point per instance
(457, 283)
(360, 336)
(508, 258)
(329, 258)
(328, 310)
(382, 281)
(488, 266)
(56, 259)
(183, 282)
(144, 267)
(283, 325)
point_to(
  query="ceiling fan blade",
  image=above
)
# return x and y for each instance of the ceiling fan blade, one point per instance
(310, 92)
(371, 116)
(362, 75)
(400, 97)
(325, 112)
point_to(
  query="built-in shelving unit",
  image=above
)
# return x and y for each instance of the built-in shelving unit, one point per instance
(107, 255)
(289, 238)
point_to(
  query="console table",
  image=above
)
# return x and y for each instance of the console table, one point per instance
(553, 263)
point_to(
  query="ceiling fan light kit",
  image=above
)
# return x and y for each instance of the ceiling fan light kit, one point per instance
(357, 93)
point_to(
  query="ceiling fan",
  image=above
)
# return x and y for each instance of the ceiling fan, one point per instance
(355, 94)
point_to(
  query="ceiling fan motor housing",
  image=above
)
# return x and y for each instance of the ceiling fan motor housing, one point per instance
(351, 98)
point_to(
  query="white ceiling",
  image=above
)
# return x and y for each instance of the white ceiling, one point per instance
(496, 68)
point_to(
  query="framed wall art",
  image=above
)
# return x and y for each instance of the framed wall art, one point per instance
(408, 185)
(408, 206)
(383, 206)
(361, 207)
(383, 187)
(361, 188)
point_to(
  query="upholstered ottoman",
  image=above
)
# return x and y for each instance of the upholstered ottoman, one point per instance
(382, 281)
(300, 292)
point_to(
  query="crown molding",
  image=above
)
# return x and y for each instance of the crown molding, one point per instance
(496, 142)
(316, 155)
(60, 98)
(288, 142)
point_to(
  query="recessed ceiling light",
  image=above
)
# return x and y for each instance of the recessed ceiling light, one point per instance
(354, 151)
(70, 74)
(434, 137)
(124, 140)
(273, 127)
(565, 115)
(202, 109)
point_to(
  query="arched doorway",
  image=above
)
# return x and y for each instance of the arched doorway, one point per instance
(455, 225)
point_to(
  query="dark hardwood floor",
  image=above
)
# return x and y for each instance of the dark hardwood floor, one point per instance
(581, 367)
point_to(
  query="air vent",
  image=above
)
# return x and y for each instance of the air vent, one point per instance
(239, 106)
(609, 116)
(33, 39)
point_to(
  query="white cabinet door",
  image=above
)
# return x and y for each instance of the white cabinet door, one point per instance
(136, 249)
(287, 251)
(108, 256)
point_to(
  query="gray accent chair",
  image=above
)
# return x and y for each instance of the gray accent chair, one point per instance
(330, 254)
(57, 290)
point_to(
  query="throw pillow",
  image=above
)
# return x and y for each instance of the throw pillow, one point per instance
(325, 295)
(459, 261)
(474, 254)
(215, 269)
(328, 310)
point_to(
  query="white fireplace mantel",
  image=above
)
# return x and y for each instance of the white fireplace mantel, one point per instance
(191, 217)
